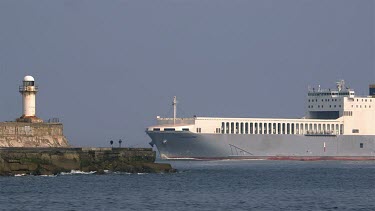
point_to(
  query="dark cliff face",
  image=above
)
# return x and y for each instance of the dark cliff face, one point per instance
(20, 134)
(48, 161)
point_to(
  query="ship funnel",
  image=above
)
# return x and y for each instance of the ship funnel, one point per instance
(372, 90)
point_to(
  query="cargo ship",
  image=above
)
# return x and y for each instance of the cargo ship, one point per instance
(338, 126)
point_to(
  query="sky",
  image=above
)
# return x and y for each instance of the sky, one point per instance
(107, 68)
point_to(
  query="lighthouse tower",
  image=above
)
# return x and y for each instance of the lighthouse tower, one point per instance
(28, 91)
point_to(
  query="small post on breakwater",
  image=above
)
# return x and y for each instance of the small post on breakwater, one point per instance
(119, 143)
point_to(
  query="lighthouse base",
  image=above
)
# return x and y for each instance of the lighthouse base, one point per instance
(29, 119)
(23, 134)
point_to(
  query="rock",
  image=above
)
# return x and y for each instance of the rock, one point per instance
(48, 161)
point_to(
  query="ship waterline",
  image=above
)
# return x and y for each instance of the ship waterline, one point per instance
(337, 125)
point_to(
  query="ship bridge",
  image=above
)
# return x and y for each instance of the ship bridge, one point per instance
(327, 103)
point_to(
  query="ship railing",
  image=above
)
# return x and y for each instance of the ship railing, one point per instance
(27, 88)
(324, 132)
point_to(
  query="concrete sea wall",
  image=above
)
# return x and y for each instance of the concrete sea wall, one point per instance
(21, 134)
(48, 161)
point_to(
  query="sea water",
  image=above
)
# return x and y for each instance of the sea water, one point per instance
(202, 185)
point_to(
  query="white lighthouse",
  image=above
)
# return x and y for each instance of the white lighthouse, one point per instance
(28, 90)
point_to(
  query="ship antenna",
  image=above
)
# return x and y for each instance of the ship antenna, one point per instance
(174, 103)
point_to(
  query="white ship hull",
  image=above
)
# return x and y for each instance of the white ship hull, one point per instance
(187, 145)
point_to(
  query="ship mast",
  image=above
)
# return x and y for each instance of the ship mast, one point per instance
(174, 103)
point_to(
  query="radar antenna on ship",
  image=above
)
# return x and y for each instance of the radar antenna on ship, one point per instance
(340, 85)
(174, 103)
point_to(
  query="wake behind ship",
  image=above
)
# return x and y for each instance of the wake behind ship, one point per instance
(338, 125)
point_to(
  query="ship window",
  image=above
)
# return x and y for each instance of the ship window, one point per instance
(315, 128)
(340, 106)
(156, 129)
(360, 145)
(269, 128)
(169, 129)
(334, 106)
(355, 131)
(185, 129)
(292, 129)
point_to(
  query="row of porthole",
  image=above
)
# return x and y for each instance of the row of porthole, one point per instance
(360, 106)
(365, 100)
(327, 100)
(335, 100)
(321, 106)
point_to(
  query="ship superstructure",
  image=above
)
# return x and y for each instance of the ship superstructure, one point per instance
(338, 124)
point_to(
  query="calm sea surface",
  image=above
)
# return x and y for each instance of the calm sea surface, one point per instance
(202, 185)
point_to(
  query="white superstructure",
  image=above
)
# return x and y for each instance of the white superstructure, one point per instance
(328, 112)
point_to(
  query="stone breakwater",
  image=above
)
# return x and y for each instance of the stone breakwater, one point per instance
(50, 161)
(22, 134)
